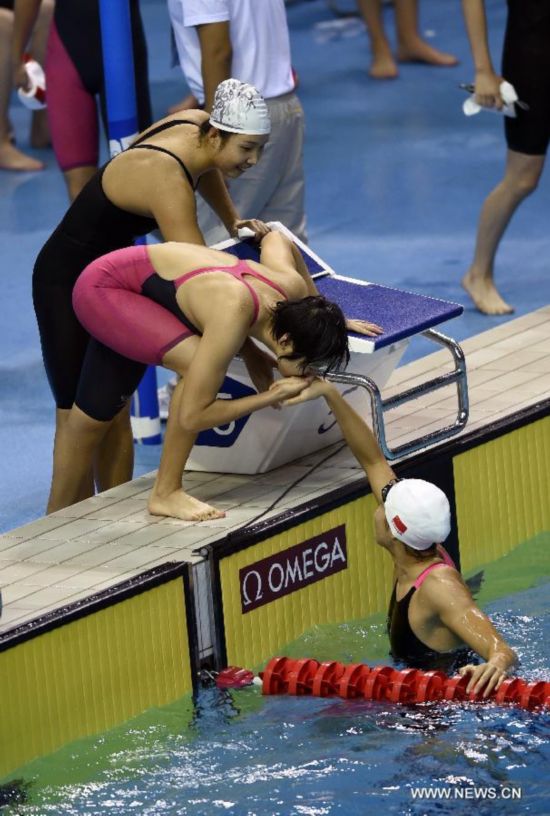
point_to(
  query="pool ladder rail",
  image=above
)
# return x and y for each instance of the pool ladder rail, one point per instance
(308, 677)
(380, 406)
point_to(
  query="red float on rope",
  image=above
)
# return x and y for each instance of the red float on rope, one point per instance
(325, 682)
(300, 676)
(283, 675)
(274, 678)
(352, 683)
(430, 686)
(377, 682)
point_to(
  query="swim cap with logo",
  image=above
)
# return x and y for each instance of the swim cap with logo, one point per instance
(418, 513)
(240, 108)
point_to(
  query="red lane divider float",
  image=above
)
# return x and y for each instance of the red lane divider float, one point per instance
(283, 675)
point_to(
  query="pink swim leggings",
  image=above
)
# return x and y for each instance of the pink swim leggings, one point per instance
(74, 81)
(108, 301)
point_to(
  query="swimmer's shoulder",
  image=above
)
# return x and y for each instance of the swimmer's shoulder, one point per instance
(441, 585)
(193, 116)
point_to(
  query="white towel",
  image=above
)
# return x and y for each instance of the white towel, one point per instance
(509, 97)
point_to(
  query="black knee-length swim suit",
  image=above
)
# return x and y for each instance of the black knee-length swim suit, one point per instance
(526, 64)
(80, 370)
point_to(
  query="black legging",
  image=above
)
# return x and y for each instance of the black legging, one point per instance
(526, 65)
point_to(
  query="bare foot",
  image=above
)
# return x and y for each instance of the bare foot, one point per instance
(485, 295)
(383, 67)
(420, 51)
(13, 159)
(190, 102)
(182, 506)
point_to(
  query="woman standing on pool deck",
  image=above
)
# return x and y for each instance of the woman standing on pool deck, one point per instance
(191, 309)
(152, 184)
(526, 65)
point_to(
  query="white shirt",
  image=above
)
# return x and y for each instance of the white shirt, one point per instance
(259, 38)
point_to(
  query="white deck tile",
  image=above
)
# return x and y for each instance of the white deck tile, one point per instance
(76, 511)
(13, 549)
(72, 528)
(130, 489)
(98, 556)
(540, 366)
(37, 528)
(119, 510)
(20, 571)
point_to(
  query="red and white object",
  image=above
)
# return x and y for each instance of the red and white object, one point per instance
(34, 97)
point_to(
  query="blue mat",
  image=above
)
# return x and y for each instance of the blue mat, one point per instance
(400, 314)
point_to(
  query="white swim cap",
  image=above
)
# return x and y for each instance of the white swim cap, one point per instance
(418, 513)
(35, 97)
(240, 108)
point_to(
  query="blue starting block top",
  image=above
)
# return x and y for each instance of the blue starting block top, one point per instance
(401, 314)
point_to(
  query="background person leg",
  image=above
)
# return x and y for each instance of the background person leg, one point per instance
(383, 65)
(40, 132)
(410, 45)
(520, 180)
(72, 116)
(287, 201)
(10, 157)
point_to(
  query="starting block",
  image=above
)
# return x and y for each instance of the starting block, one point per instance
(270, 438)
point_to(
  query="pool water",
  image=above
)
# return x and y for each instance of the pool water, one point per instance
(240, 753)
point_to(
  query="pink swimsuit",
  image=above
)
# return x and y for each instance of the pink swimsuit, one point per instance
(238, 270)
(447, 562)
(122, 302)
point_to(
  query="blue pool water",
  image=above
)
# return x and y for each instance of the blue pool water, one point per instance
(241, 754)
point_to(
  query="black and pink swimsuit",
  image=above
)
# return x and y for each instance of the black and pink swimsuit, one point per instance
(122, 302)
(405, 646)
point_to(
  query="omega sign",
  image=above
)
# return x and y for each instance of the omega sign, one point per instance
(293, 569)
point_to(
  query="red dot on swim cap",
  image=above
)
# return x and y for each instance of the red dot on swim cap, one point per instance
(399, 524)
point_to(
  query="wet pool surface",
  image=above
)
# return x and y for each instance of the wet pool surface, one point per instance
(241, 753)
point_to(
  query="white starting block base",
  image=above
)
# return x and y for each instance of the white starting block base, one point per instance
(271, 437)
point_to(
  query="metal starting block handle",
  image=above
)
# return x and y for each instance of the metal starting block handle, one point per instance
(380, 406)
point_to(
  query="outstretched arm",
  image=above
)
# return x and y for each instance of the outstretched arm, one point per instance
(451, 599)
(213, 189)
(357, 434)
(487, 81)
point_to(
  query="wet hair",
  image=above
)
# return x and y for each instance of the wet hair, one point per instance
(317, 329)
(205, 129)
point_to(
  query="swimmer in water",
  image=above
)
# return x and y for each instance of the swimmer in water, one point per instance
(433, 620)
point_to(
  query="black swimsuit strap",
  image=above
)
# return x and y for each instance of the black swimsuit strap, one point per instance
(162, 127)
(168, 153)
